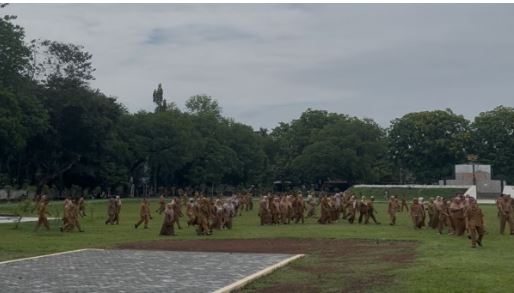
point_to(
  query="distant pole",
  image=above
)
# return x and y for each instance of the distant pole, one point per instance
(474, 178)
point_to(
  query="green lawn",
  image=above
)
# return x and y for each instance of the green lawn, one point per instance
(443, 263)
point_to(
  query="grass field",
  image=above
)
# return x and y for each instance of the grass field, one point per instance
(442, 263)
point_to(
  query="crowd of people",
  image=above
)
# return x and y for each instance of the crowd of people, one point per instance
(456, 216)
(204, 213)
(74, 209)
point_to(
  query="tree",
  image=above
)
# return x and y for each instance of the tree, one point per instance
(22, 118)
(319, 162)
(15, 56)
(163, 141)
(212, 164)
(347, 148)
(64, 61)
(203, 104)
(160, 101)
(11, 138)
(81, 120)
(493, 140)
(429, 143)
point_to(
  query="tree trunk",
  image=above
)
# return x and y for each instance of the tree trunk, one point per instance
(43, 181)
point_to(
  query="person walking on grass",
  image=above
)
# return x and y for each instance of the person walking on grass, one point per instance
(144, 214)
(404, 204)
(474, 223)
(162, 205)
(392, 209)
(506, 213)
(111, 212)
(42, 212)
(416, 212)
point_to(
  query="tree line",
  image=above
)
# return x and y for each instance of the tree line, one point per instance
(56, 130)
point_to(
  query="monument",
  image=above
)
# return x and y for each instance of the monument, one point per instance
(478, 175)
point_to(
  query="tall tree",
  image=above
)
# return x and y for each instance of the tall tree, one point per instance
(429, 143)
(162, 105)
(202, 104)
(493, 140)
(64, 61)
(347, 148)
(81, 120)
(15, 56)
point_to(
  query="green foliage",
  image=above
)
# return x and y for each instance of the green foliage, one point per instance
(10, 124)
(15, 56)
(23, 207)
(320, 146)
(429, 143)
(162, 104)
(56, 131)
(202, 104)
(493, 140)
(62, 61)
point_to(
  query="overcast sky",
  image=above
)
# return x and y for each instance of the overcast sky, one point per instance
(268, 63)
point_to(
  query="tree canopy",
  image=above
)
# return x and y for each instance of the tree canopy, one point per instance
(55, 130)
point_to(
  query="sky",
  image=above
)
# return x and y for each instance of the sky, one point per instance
(267, 63)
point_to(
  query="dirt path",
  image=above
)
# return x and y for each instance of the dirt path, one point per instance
(329, 265)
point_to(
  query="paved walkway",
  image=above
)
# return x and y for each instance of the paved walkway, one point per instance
(4, 219)
(131, 271)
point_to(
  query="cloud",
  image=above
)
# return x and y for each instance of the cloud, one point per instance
(268, 63)
(196, 34)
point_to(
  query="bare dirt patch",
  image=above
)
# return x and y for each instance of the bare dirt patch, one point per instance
(342, 265)
(325, 247)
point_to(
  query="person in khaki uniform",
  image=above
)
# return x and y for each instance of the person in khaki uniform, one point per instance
(162, 205)
(144, 214)
(111, 212)
(474, 223)
(311, 204)
(435, 209)
(265, 211)
(433, 217)
(167, 227)
(351, 208)
(404, 204)
(363, 209)
(177, 212)
(325, 211)
(275, 210)
(203, 214)
(416, 212)
(117, 202)
(191, 213)
(299, 208)
(228, 214)
(506, 214)
(216, 215)
(66, 212)
(457, 216)
(443, 215)
(71, 216)
(42, 206)
(392, 209)
(371, 211)
(82, 207)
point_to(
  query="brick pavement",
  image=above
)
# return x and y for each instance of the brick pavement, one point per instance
(132, 271)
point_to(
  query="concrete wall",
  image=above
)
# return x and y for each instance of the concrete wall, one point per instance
(489, 187)
(414, 186)
(14, 194)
